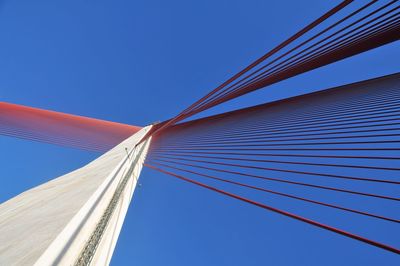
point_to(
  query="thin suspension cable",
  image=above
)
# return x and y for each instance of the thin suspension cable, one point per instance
(362, 124)
(279, 155)
(265, 139)
(372, 31)
(294, 149)
(312, 25)
(291, 215)
(263, 74)
(66, 142)
(282, 194)
(261, 125)
(284, 162)
(329, 188)
(292, 144)
(275, 50)
(306, 124)
(283, 170)
(343, 105)
(263, 135)
(349, 40)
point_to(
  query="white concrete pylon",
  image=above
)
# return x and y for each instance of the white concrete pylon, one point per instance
(74, 219)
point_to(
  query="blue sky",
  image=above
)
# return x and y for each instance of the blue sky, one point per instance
(137, 62)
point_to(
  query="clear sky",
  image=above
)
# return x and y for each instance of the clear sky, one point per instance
(137, 62)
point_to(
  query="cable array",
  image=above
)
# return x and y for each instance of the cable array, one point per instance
(347, 29)
(313, 158)
(336, 157)
(61, 129)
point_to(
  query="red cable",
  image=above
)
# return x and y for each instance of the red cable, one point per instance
(287, 162)
(283, 194)
(278, 180)
(183, 153)
(341, 30)
(352, 47)
(183, 115)
(285, 213)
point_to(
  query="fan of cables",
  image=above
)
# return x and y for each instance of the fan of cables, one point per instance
(336, 158)
(325, 158)
(61, 129)
(348, 29)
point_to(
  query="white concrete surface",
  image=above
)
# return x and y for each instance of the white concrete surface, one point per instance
(52, 223)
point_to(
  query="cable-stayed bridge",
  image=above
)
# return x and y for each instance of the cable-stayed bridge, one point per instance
(333, 153)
